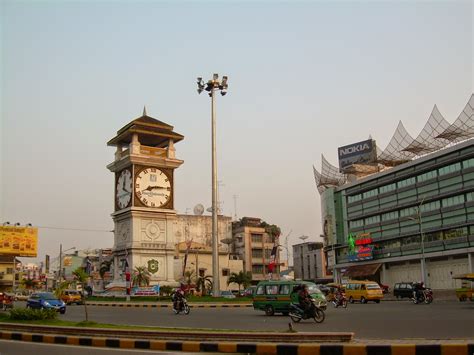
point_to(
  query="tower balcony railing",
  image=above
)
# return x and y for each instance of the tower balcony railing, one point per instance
(146, 150)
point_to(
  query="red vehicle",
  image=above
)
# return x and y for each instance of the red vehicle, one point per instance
(385, 288)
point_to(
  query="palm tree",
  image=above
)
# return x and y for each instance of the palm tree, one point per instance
(204, 283)
(188, 276)
(82, 277)
(242, 278)
(29, 283)
(141, 276)
(60, 288)
(104, 267)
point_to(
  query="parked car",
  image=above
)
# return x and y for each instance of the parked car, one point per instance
(403, 290)
(227, 294)
(21, 296)
(71, 296)
(46, 300)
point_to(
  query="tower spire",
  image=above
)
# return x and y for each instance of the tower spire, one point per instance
(144, 110)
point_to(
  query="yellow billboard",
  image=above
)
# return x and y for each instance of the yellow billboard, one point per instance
(19, 241)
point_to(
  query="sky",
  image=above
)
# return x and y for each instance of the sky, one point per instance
(305, 77)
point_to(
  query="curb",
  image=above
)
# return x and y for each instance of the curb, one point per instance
(214, 305)
(256, 348)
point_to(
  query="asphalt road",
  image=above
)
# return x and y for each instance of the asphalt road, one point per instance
(387, 320)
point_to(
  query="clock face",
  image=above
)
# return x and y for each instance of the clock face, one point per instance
(153, 187)
(124, 189)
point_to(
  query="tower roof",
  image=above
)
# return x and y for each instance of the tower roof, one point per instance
(151, 132)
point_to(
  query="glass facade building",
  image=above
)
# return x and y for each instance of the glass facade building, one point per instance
(397, 217)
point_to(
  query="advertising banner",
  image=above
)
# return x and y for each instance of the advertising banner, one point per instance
(19, 241)
(357, 153)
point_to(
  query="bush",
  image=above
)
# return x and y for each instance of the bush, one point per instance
(32, 314)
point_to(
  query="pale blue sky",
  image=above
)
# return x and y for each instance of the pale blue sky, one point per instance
(304, 78)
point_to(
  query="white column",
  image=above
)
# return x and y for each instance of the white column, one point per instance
(135, 145)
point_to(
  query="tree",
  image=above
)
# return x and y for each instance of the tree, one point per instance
(242, 278)
(203, 284)
(104, 267)
(188, 276)
(60, 288)
(141, 276)
(28, 283)
(81, 277)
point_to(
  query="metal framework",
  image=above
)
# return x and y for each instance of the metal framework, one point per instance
(435, 135)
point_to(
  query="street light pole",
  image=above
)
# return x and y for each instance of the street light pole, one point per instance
(211, 87)
(420, 222)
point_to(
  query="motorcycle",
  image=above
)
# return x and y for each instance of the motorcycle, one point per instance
(181, 306)
(421, 296)
(340, 300)
(315, 312)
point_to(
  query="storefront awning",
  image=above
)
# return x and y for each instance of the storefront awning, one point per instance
(361, 270)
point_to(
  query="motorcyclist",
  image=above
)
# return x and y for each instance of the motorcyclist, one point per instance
(304, 298)
(339, 294)
(418, 289)
(178, 299)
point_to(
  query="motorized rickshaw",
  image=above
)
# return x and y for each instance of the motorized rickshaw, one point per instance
(466, 292)
(6, 301)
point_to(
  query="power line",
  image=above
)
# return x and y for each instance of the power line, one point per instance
(77, 229)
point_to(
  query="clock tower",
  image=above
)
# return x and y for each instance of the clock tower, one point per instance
(144, 215)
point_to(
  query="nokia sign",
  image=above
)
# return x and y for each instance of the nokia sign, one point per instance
(357, 153)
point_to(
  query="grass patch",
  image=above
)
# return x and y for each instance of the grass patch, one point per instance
(90, 324)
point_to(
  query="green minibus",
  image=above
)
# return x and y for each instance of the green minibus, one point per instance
(275, 296)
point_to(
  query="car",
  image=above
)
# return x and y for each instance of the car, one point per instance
(45, 300)
(403, 290)
(363, 291)
(277, 296)
(249, 291)
(227, 294)
(21, 296)
(71, 296)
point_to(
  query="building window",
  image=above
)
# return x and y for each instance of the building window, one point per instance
(390, 216)
(256, 238)
(407, 212)
(449, 169)
(372, 220)
(257, 253)
(468, 163)
(257, 269)
(387, 188)
(470, 196)
(225, 272)
(370, 193)
(354, 198)
(9, 270)
(356, 224)
(430, 206)
(427, 176)
(406, 182)
(201, 272)
(452, 201)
